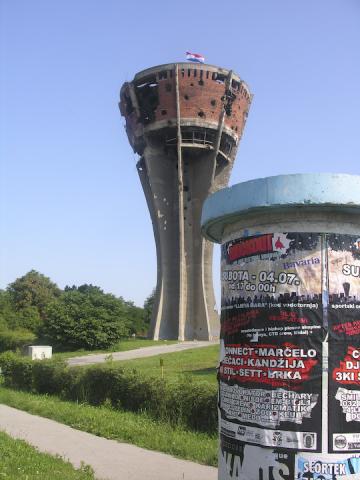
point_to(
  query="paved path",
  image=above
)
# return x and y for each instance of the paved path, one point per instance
(110, 460)
(138, 353)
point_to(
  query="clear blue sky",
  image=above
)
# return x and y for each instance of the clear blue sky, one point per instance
(71, 202)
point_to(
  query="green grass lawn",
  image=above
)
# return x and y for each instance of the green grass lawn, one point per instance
(122, 346)
(128, 427)
(199, 363)
(20, 461)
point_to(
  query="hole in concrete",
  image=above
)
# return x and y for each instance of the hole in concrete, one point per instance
(186, 97)
(213, 102)
(201, 114)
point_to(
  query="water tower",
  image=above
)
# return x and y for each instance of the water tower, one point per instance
(185, 122)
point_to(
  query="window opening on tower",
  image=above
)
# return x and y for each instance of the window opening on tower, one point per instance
(163, 75)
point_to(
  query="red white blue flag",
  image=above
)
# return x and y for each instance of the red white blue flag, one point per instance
(195, 57)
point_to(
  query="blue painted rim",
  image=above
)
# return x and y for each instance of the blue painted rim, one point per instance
(334, 191)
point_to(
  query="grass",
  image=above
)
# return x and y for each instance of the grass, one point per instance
(123, 346)
(128, 427)
(20, 461)
(199, 363)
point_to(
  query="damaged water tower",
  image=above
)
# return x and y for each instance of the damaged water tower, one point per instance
(185, 122)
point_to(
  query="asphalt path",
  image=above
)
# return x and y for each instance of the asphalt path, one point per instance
(138, 353)
(110, 460)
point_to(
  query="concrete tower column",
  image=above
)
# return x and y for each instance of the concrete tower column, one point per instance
(185, 121)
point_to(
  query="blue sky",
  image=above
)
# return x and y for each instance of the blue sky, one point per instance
(71, 202)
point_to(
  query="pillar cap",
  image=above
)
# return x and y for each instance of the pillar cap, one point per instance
(321, 191)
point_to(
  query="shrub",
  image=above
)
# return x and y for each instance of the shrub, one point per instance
(85, 318)
(17, 371)
(15, 339)
(186, 403)
(49, 377)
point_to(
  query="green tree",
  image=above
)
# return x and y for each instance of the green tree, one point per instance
(33, 290)
(149, 306)
(86, 317)
(136, 319)
(8, 317)
(17, 328)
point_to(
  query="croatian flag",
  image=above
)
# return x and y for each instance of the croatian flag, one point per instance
(195, 57)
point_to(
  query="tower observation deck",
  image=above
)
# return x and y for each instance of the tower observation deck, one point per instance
(185, 121)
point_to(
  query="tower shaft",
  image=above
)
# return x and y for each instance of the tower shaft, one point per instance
(180, 120)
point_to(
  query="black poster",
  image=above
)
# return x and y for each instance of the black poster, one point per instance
(344, 342)
(271, 338)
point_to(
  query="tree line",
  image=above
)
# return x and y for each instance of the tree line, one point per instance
(77, 317)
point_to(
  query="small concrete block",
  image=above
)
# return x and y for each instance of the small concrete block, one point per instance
(39, 352)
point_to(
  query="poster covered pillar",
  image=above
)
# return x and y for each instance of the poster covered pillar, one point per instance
(289, 370)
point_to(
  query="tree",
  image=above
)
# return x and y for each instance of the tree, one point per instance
(33, 290)
(10, 318)
(85, 317)
(7, 313)
(149, 306)
(136, 319)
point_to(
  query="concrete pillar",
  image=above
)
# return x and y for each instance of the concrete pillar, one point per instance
(185, 121)
(289, 372)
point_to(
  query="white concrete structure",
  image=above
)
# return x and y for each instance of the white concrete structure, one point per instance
(39, 352)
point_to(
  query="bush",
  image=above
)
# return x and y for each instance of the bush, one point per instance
(15, 339)
(17, 371)
(85, 318)
(185, 403)
(49, 377)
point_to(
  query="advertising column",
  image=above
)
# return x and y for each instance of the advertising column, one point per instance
(270, 371)
(344, 348)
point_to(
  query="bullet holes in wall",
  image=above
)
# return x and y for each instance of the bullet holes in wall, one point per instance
(201, 114)
(163, 75)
